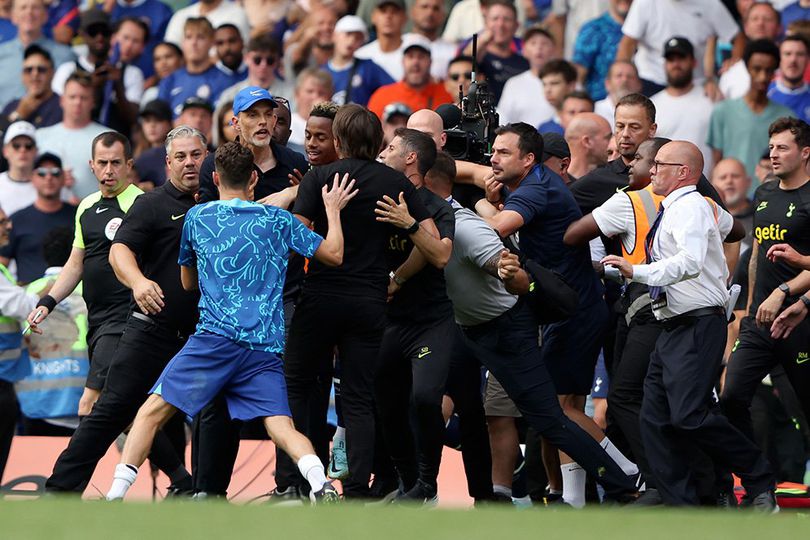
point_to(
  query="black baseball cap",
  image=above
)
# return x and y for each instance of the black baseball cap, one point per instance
(398, 3)
(679, 45)
(195, 101)
(47, 157)
(554, 145)
(94, 17)
(157, 108)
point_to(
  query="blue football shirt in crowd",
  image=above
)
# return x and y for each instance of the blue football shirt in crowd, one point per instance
(797, 100)
(181, 85)
(368, 77)
(240, 250)
(595, 49)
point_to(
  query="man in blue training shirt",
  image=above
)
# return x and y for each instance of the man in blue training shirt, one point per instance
(237, 251)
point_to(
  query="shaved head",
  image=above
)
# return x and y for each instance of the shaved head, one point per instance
(677, 164)
(686, 153)
(430, 123)
(586, 123)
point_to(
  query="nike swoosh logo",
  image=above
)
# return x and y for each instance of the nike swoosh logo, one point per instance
(175, 218)
(423, 354)
(802, 360)
(100, 210)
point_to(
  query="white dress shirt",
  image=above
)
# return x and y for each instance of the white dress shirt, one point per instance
(14, 301)
(688, 254)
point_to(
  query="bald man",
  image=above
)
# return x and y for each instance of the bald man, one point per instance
(687, 275)
(732, 183)
(588, 136)
(428, 121)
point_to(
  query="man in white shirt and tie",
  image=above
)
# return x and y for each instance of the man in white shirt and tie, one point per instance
(687, 274)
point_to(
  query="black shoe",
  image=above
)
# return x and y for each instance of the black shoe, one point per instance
(421, 493)
(180, 491)
(727, 501)
(650, 497)
(290, 496)
(765, 503)
(639, 481)
(326, 495)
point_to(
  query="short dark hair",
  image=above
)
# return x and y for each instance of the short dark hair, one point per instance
(444, 169)
(201, 23)
(325, 109)
(656, 143)
(108, 139)
(796, 37)
(799, 129)
(358, 131)
(35, 49)
(535, 30)
(562, 67)
(529, 139)
(421, 143)
(140, 23)
(505, 3)
(264, 43)
(234, 164)
(171, 45)
(579, 94)
(761, 46)
(460, 58)
(56, 246)
(228, 26)
(81, 77)
(639, 100)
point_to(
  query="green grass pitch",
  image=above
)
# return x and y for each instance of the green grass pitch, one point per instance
(53, 519)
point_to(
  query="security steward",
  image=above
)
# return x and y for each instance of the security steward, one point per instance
(686, 273)
(162, 314)
(628, 216)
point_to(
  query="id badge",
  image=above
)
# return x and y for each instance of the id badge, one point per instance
(660, 302)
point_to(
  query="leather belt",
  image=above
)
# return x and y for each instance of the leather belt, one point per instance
(690, 316)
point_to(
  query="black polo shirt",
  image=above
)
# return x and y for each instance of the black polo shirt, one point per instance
(596, 187)
(423, 298)
(152, 230)
(270, 181)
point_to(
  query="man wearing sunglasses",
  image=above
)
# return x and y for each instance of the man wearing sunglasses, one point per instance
(19, 149)
(39, 106)
(34, 222)
(262, 60)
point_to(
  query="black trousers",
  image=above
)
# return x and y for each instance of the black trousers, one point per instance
(355, 326)
(507, 346)
(677, 412)
(754, 355)
(464, 388)
(9, 412)
(634, 344)
(144, 350)
(411, 377)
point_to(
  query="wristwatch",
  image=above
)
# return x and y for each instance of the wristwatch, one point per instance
(785, 289)
(396, 279)
(805, 301)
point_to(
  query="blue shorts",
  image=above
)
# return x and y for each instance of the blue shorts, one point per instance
(601, 381)
(251, 381)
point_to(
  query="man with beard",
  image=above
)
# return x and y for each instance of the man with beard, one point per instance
(790, 89)
(683, 108)
(229, 46)
(118, 89)
(161, 314)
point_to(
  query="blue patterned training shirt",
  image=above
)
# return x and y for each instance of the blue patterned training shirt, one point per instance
(240, 249)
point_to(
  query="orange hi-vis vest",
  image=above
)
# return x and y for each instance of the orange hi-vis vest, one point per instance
(645, 210)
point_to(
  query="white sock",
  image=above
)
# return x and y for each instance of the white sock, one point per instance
(616, 455)
(312, 469)
(123, 478)
(340, 433)
(573, 477)
(503, 490)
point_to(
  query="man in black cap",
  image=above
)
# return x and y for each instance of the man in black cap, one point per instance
(156, 122)
(683, 108)
(34, 222)
(118, 88)
(389, 18)
(557, 155)
(197, 113)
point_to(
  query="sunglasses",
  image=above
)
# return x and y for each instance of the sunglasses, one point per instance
(269, 60)
(42, 172)
(38, 69)
(457, 76)
(26, 146)
(94, 31)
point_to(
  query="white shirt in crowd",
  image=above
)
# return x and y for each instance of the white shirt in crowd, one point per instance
(736, 81)
(441, 52)
(14, 301)
(16, 195)
(391, 61)
(688, 254)
(653, 22)
(522, 100)
(606, 109)
(133, 78)
(73, 146)
(226, 12)
(685, 118)
(464, 20)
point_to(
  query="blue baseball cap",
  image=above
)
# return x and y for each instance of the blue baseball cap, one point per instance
(250, 95)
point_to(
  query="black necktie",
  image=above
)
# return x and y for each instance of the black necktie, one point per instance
(655, 291)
